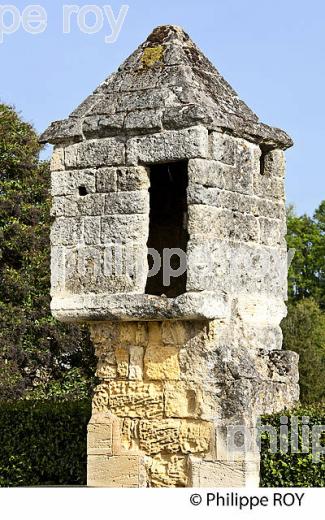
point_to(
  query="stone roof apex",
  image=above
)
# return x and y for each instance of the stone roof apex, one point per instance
(167, 83)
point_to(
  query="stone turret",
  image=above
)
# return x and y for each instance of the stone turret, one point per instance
(169, 240)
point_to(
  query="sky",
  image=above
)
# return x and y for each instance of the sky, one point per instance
(272, 53)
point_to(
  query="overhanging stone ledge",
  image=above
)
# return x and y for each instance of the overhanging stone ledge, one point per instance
(204, 305)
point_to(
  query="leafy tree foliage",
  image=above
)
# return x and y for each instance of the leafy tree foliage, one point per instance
(36, 352)
(307, 273)
(304, 332)
(304, 327)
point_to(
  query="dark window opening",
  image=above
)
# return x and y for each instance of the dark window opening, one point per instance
(83, 191)
(264, 153)
(168, 227)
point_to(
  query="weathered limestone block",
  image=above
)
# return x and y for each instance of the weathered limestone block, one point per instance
(182, 399)
(100, 435)
(91, 231)
(121, 471)
(236, 267)
(119, 228)
(199, 194)
(235, 152)
(66, 231)
(214, 174)
(143, 120)
(68, 182)
(57, 159)
(57, 269)
(136, 363)
(135, 399)
(222, 223)
(91, 205)
(106, 180)
(103, 126)
(273, 232)
(131, 202)
(132, 178)
(168, 471)
(161, 363)
(173, 436)
(169, 146)
(159, 436)
(122, 361)
(269, 187)
(224, 474)
(94, 153)
(223, 148)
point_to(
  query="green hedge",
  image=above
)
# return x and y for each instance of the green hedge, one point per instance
(43, 443)
(290, 469)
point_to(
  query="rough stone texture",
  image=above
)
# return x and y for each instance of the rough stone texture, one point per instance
(191, 386)
(179, 87)
(176, 375)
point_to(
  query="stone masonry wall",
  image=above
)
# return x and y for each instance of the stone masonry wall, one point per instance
(168, 392)
(236, 221)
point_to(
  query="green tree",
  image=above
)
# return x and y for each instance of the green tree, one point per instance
(304, 327)
(37, 353)
(304, 332)
(307, 272)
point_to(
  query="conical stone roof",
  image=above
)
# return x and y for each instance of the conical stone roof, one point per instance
(167, 83)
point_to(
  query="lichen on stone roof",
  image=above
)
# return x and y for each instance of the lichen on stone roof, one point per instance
(167, 83)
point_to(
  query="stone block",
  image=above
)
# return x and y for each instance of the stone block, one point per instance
(128, 202)
(57, 269)
(66, 231)
(132, 178)
(123, 229)
(168, 146)
(161, 363)
(132, 333)
(216, 474)
(68, 182)
(182, 399)
(159, 436)
(223, 148)
(91, 231)
(136, 363)
(99, 437)
(120, 471)
(272, 232)
(95, 153)
(195, 436)
(274, 163)
(135, 399)
(167, 470)
(91, 205)
(64, 207)
(269, 187)
(222, 223)
(143, 120)
(103, 125)
(122, 361)
(57, 160)
(106, 180)
(206, 173)
(175, 332)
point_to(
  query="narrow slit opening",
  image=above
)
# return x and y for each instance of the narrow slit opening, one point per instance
(264, 153)
(168, 234)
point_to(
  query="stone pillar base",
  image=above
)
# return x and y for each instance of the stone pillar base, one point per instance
(170, 393)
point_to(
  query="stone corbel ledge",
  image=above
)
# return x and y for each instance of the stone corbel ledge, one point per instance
(204, 305)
